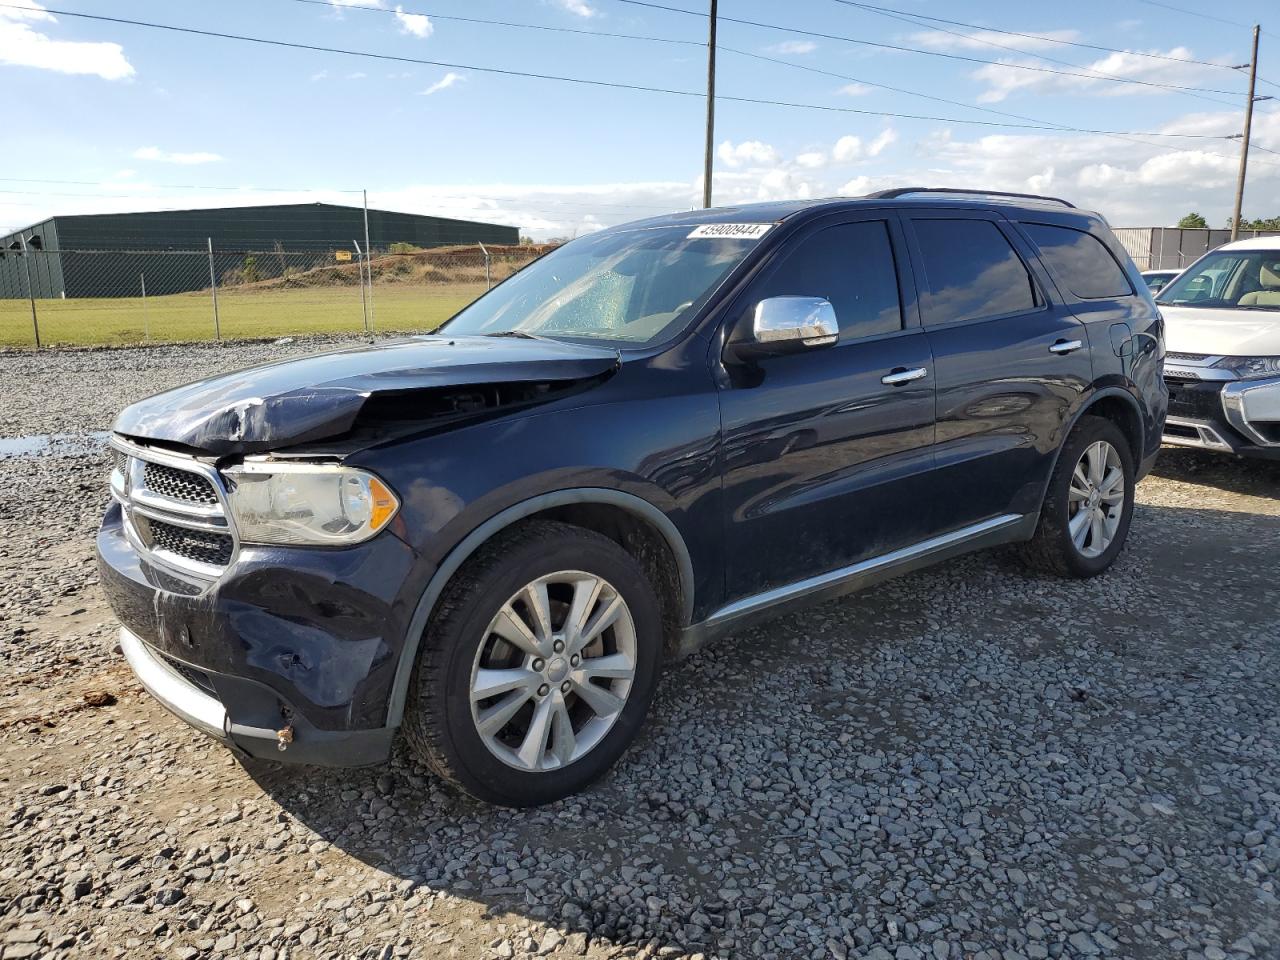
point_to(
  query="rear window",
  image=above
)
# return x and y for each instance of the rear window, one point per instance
(1081, 261)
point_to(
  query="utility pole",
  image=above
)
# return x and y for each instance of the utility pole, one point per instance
(31, 291)
(368, 254)
(709, 159)
(1244, 141)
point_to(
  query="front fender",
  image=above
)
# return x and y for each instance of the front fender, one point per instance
(495, 525)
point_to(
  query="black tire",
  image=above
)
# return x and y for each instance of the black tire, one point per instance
(1052, 549)
(439, 727)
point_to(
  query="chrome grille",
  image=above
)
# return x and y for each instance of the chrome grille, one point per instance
(199, 545)
(179, 484)
(1187, 357)
(174, 509)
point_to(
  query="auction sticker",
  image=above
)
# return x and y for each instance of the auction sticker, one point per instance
(730, 231)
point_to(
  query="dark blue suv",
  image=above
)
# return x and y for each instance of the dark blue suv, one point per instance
(489, 539)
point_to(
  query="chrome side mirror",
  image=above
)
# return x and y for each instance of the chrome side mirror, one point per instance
(781, 325)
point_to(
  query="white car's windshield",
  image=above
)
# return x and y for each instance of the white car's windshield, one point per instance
(630, 286)
(1239, 279)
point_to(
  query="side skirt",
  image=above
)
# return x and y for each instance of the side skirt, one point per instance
(754, 609)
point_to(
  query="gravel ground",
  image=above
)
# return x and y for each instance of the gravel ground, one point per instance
(965, 763)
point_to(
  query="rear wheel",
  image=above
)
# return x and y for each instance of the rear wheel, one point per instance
(1088, 506)
(538, 667)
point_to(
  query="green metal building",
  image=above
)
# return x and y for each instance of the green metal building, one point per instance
(102, 255)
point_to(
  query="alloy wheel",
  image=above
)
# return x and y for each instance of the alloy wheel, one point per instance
(1095, 499)
(553, 671)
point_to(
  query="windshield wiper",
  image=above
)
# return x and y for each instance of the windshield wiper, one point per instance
(514, 333)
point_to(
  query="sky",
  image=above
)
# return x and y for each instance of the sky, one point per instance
(135, 118)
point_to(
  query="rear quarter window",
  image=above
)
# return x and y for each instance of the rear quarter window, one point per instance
(1081, 261)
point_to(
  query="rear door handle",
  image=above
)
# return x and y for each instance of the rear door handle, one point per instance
(902, 375)
(1066, 346)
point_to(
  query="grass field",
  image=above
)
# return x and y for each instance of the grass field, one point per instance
(241, 313)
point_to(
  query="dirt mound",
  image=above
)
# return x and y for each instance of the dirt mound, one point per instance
(438, 265)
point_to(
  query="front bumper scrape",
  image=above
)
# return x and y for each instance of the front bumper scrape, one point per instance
(302, 743)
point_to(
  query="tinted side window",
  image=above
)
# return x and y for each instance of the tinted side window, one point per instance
(1084, 264)
(971, 271)
(852, 266)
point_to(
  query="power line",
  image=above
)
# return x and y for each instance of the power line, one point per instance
(1027, 36)
(1093, 74)
(1194, 13)
(500, 23)
(928, 53)
(1062, 128)
(694, 43)
(1049, 124)
(583, 81)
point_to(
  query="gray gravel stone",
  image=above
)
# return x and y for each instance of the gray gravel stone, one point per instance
(968, 762)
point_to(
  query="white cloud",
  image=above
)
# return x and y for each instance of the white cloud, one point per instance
(579, 8)
(857, 187)
(749, 152)
(1132, 184)
(793, 47)
(854, 90)
(885, 138)
(850, 149)
(21, 45)
(319, 75)
(812, 161)
(415, 24)
(989, 39)
(357, 75)
(444, 83)
(1002, 79)
(185, 159)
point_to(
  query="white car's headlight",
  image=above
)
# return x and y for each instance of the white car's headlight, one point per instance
(320, 504)
(1251, 368)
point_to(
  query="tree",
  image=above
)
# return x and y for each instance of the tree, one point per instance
(1193, 221)
(1268, 223)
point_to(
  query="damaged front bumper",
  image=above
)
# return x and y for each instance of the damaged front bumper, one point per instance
(290, 654)
(196, 703)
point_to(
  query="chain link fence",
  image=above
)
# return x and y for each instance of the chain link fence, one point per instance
(84, 297)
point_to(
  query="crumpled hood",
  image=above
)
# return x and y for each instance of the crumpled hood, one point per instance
(311, 398)
(1222, 333)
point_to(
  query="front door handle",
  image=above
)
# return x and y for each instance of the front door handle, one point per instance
(1066, 346)
(903, 375)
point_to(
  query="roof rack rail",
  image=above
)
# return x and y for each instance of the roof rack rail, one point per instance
(903, 191)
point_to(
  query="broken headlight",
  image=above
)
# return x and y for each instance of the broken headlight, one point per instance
(305, 503)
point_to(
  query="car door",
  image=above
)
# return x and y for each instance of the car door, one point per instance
(1011, 363)
(827, 453)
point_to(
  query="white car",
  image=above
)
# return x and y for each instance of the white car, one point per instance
(1157, 280)
(1222, 319)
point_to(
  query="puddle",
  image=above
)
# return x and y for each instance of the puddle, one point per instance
(53, 444)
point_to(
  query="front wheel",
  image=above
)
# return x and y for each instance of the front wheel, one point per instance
(1088, 505)
(538, 667)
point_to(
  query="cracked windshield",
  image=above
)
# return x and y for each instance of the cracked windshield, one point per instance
(632, 286)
